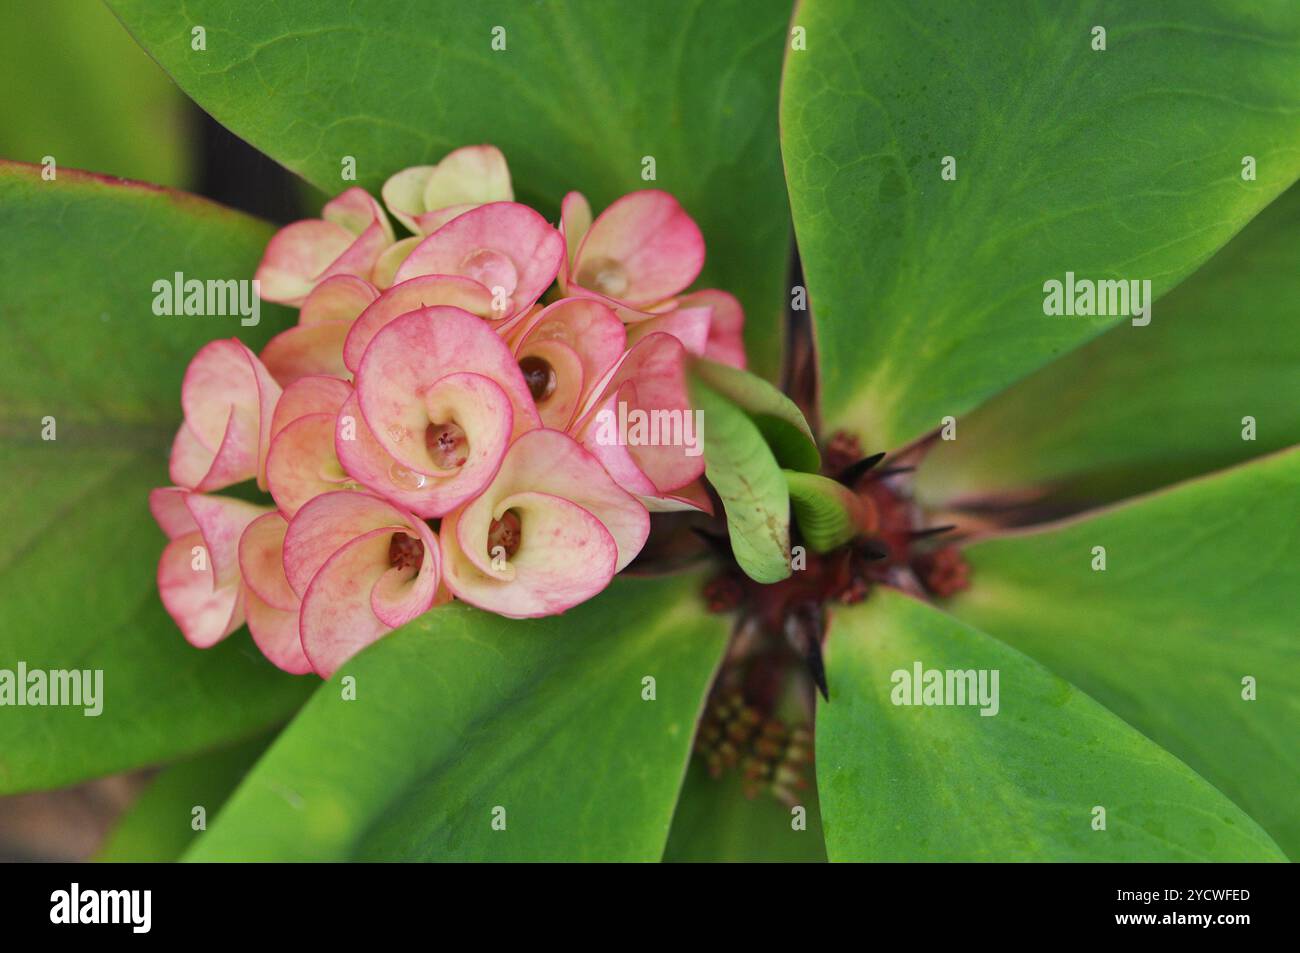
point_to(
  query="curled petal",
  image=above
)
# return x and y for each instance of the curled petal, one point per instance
(270, 603)
(472, 175)
(576, 561)
(306, 350)
(309, 395)
(299, 257)
(221, 522)
(261, 561)
(324, 524)
(303, 464)
(385, 270)
(191, 463)
(643, 418)
(347, 241)
(336, 620)
(598, 433)
(167, 504)
(195, 467)
(337, 298)
(476, 403)
(368, 463)
(508, 248)
(205, 614)
(693, 496)
(275, 632)
(401, 594)
(576, 528)
(689, 325)
(640, 250)
(575, 221)
(423, 292)
(358, 595)
(403, 193)
(726, 343)
(228, 397)
(465, 178)
(443, 368)
(579, 340)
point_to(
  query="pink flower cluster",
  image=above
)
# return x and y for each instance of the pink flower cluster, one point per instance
(427, 431)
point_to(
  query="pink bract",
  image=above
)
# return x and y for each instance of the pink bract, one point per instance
(271, 604)
(228, 397)
(302, 462)
(640, 251)
(347, 240)
(440, 398)
(426, 197)
(412, 295)
(198, 575)
(506, 247)
(650, 378)
(576, 529)
(361, 567)
(569, 346)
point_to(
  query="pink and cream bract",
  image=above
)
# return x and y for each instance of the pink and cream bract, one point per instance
(427, 431)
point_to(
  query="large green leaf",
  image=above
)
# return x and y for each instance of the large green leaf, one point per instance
(740, 466)
(1198, 593)
(79, 552)
(582, 93)
(928, 295)
(462, 713)
(933, 782)
(78, 88)
(160, 826)
(1140, 408)
(716, 823)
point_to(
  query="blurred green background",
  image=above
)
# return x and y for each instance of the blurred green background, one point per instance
(77, 87)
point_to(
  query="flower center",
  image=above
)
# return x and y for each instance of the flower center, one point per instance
(405, 552)
(604, 275)
(540, 377)
(447, 444)
(505, 533)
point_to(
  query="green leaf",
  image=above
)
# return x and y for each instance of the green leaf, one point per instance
(777, 417)
(78, 88)
(740, 466)
(460, 713)
(80, 549)
(1141, 408)
(825, 510)
(584, 91)
(159, 827)
(716, 823)
(1198, 593)
(908, 782)
(928, 294)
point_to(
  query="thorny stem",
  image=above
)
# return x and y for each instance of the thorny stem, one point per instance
(774, 662)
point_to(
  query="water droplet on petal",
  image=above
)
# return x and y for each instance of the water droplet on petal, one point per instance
(406, 479)
(491, 269)
(604, 275)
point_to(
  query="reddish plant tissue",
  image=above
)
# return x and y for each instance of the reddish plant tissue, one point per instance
(758, 714)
